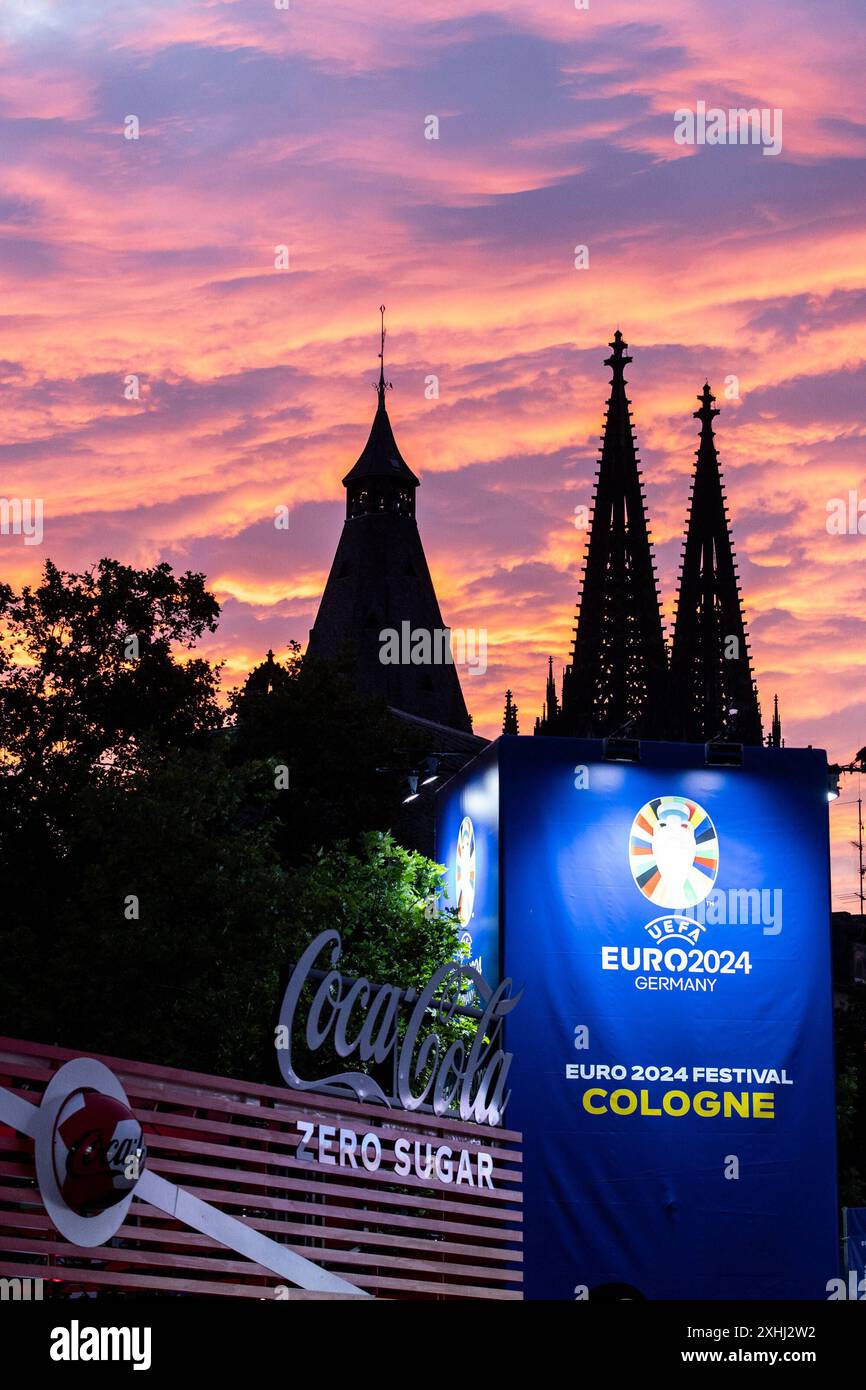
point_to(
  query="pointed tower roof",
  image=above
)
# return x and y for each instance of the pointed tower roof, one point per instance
(509, 718)
(547, 722)
(379, 593)
(617, 676)
(775, 739)
(551, 702)
(712, 688)
(380, 457)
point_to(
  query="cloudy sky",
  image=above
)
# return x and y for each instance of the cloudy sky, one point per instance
(305, 127)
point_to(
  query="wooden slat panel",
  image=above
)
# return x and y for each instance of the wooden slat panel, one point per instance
(165, 1121)
(184, 1083)
(330, 1258)
(233, 1144)
(94, 1278)
(33, 1220)
(291, 1167)
(325, 1211)
(249, 1120)
(101, 1278)
(243, 1178)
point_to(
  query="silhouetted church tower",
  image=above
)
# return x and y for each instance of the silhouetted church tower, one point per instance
(379, 580)
(712, 691)
(617, 678)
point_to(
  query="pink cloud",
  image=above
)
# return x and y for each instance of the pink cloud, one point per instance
(306, 128)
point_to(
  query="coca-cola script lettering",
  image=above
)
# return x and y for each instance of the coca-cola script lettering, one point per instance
(357, 1017)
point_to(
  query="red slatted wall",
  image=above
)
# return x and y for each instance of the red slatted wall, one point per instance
(233, 1143)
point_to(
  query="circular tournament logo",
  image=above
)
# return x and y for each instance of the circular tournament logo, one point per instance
(465, 875)
(673, 852)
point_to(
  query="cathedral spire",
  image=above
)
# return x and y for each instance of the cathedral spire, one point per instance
(616, 680)
(712, 689)
(774, 738)
(551, 703)
(548, 721)
(509, 719)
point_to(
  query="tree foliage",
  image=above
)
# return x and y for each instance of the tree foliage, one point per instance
(156, 881)
(88, 673)
(344, 752)
(850, 1038)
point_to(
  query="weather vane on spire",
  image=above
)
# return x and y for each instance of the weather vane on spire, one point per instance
(383, 385)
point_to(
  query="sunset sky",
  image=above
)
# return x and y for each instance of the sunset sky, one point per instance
(305, 127)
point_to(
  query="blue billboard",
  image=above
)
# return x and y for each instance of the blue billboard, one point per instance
(467, 843)
(673, 1064)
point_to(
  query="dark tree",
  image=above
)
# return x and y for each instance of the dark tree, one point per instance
(88, 675)
(158, 873)
(344, 755)
(850, 1038)
(90, 694)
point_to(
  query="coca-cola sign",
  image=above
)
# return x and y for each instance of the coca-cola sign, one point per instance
(465, 1077)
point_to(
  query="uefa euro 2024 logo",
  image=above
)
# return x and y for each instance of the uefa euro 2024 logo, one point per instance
(673, 853)
(464, 889)
(464, 885)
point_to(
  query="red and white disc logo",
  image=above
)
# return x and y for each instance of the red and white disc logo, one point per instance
(98, 1151)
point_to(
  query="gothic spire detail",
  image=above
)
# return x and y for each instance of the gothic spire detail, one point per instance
(509, 719)
(548, 721)
(617, 677)
(774, 738)
(712, 689)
